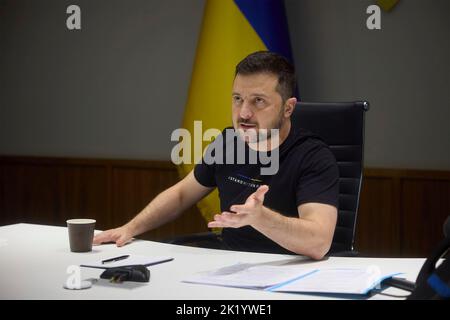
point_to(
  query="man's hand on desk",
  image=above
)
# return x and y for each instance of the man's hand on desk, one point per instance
(120, 236)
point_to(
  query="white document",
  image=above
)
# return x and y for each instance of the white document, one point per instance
(294, 278)
(130, 260)
(336, 281)
(243, 275)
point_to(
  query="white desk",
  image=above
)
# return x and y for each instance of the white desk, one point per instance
(34, 260)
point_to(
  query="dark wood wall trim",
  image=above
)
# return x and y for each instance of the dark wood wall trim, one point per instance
(153, 164)
(406, 174)
(52, 190)
(401, 211)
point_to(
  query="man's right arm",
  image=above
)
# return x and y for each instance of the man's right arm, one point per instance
(167, 206)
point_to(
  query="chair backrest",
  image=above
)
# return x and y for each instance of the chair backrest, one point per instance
(341, 126)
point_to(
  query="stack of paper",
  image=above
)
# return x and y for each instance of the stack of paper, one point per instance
(294, 278)
(249, 276)
(336, 281)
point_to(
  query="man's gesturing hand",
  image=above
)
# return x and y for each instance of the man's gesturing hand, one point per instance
(246, 214)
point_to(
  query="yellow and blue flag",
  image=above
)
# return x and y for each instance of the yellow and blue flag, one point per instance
(230, 31)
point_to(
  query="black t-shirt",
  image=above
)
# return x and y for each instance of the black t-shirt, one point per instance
(307, 173)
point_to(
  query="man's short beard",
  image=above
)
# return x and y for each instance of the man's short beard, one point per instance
(278, 124)
(266, 133)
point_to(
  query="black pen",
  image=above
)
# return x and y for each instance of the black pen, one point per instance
(115, 259)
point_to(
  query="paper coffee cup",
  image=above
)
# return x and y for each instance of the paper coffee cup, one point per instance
(81, 234)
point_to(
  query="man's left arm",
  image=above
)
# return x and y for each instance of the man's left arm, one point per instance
(310, 234)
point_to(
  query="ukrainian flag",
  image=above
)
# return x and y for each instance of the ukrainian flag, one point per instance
(230, 31)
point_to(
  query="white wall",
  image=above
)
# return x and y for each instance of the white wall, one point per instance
(117, 89)
(403, 70)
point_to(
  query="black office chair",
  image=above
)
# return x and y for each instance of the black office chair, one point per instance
(341, 126)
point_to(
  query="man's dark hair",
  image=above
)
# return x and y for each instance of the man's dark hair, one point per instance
(270, 62)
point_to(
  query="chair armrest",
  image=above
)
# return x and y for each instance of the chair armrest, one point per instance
(350, 253)
(192, 238)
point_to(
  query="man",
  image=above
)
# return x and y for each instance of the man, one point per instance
(291, 211)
